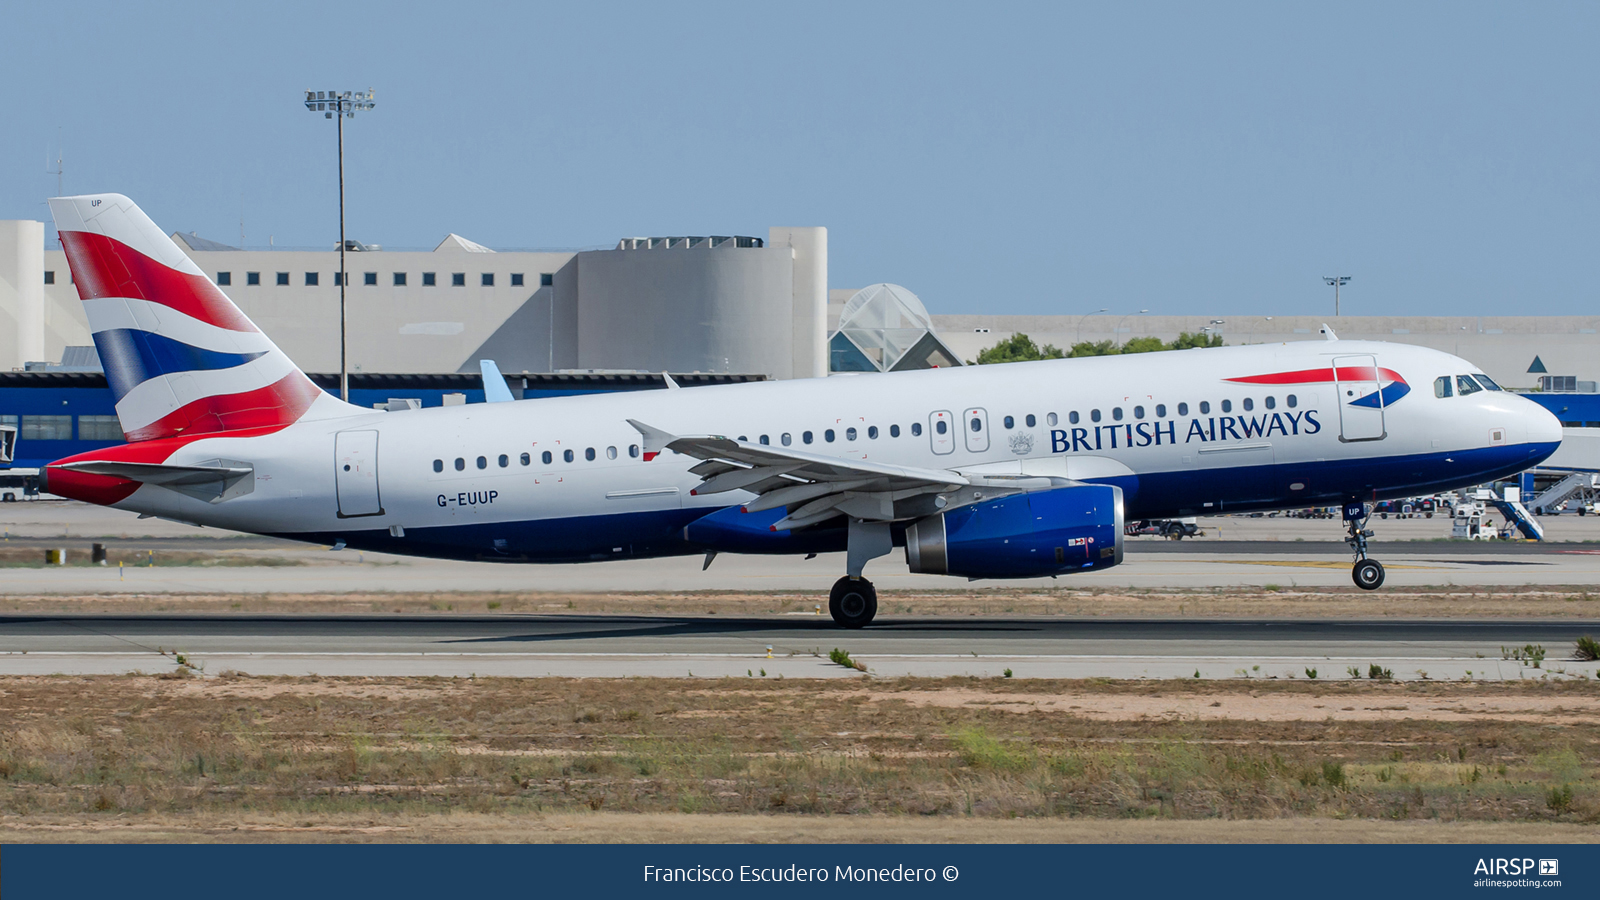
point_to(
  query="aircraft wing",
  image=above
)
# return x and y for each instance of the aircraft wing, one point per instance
(813, 487)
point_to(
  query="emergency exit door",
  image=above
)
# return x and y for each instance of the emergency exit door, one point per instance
(355, 474)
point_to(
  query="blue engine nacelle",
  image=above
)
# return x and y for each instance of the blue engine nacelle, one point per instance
(1069, 529)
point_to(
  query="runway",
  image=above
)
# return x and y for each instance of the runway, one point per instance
(713, 646)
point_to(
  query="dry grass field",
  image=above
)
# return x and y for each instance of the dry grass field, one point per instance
(237, 758)
(1536, 602)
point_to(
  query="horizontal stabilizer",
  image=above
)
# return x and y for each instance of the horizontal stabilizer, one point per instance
(213, 482)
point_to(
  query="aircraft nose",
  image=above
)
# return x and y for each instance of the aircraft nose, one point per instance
(1543, 426)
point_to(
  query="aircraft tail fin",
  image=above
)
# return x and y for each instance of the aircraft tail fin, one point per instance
(180, 358)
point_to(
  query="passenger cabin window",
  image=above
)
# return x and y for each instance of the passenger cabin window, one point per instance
(461, 464)
(1009, 422)
(1138, 412)
(1227, 406)
(940, 426)
(438, 465)
(1161, 410)
(916, 429)
(1094, 415)
(504, 460)
(1465, 385)
(1030, 420)
(611, 452)
(1116, 413)
(1183, 409)
(786, 439)
(1484, 380)
(805, 437)
(977, 424)
(546, 458)
(566, 456)
(765, 439)
(1292, 400)
(872, 432)
(1272, 403)
(1441, 387)
(483, 462)
(1205, 407)
(588, 454)
(1249, 404)
(828, 435)
(633, 450)
(894, 431)
(849, 434)
(1051, 419)
(526, 459)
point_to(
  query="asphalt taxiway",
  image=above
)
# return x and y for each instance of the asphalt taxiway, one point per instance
(785, 646)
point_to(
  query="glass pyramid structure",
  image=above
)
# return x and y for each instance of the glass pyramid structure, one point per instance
(885, 328)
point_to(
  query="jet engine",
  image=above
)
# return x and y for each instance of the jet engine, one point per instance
(1050, 532)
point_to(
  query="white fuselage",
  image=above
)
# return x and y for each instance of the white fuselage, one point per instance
(473, 481)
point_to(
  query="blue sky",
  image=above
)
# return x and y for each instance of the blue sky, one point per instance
(995, 158)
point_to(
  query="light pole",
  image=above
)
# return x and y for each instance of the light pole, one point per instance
(337, 106)
(1336, 282)
(1253, 327)
(1077, 336)
(1124, 319)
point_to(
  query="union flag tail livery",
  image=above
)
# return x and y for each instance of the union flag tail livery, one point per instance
(1022, 470)
(180, 358)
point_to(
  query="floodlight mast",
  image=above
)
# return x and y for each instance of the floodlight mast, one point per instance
(1335, 282)
(340, 106)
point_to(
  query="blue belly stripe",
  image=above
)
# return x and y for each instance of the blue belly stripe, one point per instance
(1149, 496)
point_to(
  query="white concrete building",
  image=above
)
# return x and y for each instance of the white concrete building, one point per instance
(707, 304)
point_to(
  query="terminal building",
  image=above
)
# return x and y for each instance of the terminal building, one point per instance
(708, 309)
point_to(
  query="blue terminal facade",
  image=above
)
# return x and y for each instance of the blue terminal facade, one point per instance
(1574, 410)
(59, 414)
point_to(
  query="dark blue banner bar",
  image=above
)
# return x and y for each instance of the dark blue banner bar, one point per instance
(1119, 871)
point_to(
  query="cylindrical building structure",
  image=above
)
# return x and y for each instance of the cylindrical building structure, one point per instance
(687, 304)
(22, 291)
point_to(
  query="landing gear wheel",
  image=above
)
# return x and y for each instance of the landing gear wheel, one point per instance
(853, 602)
(1368, 574)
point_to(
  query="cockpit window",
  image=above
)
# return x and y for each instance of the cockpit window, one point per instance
(1466, 385)
(1484, 380)
(1441, 386)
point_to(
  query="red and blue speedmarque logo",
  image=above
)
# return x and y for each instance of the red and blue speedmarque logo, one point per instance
(1391, 387)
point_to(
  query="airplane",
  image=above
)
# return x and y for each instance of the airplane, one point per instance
(1008, 471)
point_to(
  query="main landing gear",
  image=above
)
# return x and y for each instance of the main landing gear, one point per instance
(853, 602)
(1366, 573)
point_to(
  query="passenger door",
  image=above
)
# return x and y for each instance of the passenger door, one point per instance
(1360, 398)
(940, 426)
(977, 430)
(355, 473)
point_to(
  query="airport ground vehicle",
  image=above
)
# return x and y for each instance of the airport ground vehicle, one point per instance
(1007, 471)
(1172, 529)
(18, 484)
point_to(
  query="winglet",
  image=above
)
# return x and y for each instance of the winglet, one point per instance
(494, 384)
(1327, 333)
(655, 440)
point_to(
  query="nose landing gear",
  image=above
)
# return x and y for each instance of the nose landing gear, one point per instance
(1367, 573)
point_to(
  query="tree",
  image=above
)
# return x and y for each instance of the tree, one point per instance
(1021, 348)
(1088, 348)
(1018, 348)
(1144, 345)
(1189, 339)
